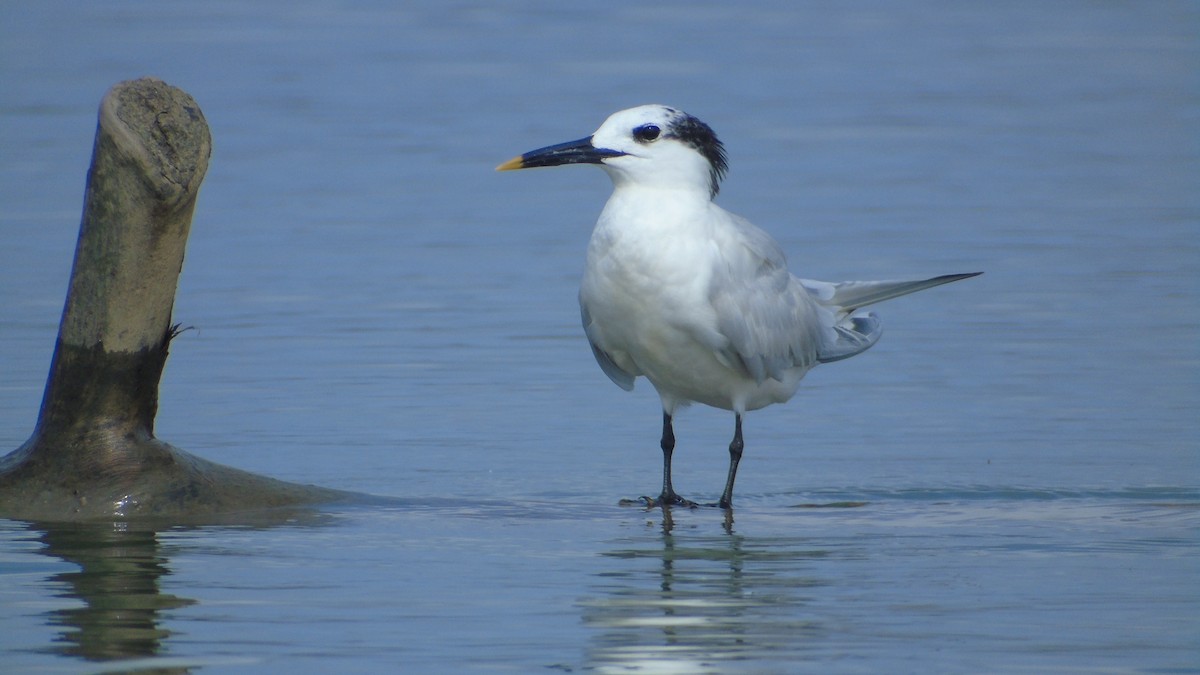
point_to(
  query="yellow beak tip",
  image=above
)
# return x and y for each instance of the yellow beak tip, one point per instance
(512, 164)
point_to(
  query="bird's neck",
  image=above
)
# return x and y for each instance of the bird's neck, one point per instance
(686, 199)
(638, 210)
(680, 182)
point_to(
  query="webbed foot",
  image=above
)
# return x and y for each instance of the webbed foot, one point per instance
(664, 499)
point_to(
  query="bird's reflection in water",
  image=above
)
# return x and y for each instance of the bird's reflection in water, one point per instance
(695, 602)
(117, 586)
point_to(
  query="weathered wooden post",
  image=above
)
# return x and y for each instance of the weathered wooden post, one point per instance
(93, 453)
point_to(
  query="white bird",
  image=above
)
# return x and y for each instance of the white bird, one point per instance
(697, 299)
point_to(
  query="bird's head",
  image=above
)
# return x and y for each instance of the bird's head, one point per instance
(651, 145)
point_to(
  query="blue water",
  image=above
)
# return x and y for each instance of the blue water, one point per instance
(1010, 480)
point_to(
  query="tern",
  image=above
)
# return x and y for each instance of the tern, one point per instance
(694, 298)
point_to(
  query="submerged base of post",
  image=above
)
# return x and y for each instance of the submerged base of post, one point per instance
(93, 454)
(170, 485)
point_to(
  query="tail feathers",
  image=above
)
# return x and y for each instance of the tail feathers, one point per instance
(856, 334)
(851, 295)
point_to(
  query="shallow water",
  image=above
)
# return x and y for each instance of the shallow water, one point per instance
(1009, 479)
(953, 580)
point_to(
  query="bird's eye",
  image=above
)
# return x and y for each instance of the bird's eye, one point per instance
(646, 133)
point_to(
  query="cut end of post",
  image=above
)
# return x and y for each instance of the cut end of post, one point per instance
(162, 129)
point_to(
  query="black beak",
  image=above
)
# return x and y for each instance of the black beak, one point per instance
(572, 152)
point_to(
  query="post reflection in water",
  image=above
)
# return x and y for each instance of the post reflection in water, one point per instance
(702, 602)
(120, 613)
(120, 567)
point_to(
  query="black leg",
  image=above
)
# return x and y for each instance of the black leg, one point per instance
(735, 456)
(668, 496)
(668, 448)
